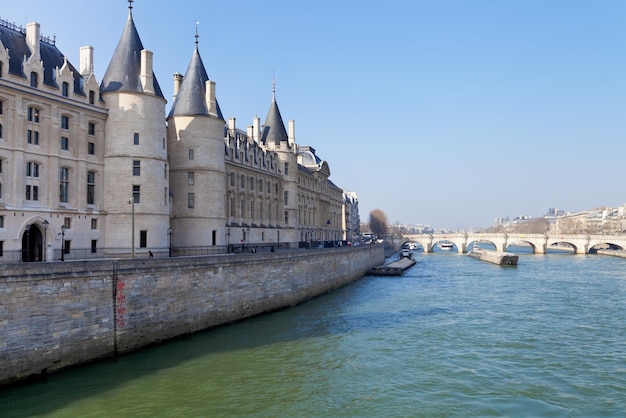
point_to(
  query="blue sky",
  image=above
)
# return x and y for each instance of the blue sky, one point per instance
(442, 112)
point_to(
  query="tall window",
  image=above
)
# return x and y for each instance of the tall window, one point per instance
(286, 196)
(32, 137)
(136, 168)
(143, 239)
(191, 200)
(0, 131)
(94, 224)
(91, 189)
(65, 89)
(33, 114)
(136, 138)
(65, 122)
(65, 143)
(64, 180)
(32, 169)
(286, 169)
(1, 106)
(32, 192)
(91, 148)
(92, 97)
(91, 128)
(136, 193)
(94, 246)
(33, 79)
(191, 178)
(191, 154)
(2, 221)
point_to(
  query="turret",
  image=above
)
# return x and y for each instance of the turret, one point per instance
(136, 167)
(198, 171)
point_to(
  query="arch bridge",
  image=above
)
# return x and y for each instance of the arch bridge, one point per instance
(582, 244)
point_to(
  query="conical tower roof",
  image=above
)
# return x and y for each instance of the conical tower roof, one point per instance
(191, 97)
(123, 73)
(274, 129)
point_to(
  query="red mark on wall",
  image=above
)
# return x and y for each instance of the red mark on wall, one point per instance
(120, 306)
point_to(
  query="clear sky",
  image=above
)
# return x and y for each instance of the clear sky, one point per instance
(442, 112)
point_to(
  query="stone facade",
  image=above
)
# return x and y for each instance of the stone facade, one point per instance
(92, 170)
(57, 315)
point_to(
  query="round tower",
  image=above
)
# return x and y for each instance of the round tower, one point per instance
(195, 136)
(135, 156)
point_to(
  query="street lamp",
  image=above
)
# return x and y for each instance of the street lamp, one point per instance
(169, 234)
(62, 242)
(45, 236)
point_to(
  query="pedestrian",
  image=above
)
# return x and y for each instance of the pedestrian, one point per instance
(150, 255)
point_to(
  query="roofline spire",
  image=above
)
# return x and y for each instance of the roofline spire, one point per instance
(196, 35)
(130, 7)
(273, 84)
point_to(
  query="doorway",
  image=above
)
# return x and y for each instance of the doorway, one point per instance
(32, 244)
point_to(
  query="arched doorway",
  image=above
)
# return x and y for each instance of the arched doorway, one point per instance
(32, 244)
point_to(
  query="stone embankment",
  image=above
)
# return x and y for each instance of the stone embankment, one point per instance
(58, 315)
(614, 253)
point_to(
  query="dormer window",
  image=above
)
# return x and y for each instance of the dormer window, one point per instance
(33, 79)
(65, 89)
(92, 97)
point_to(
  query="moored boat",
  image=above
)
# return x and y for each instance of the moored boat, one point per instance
(501, 258)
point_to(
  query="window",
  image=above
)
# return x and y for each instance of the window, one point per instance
(1, 248)
(33, 79)
(286, 169)
(91, 148)
(136, 138)
(286, 196)
(67, 223)
(65, 89)
(136, 194)
(92, 97)
(91, 189)
(32, 137)
(32, 192)
(65, 122)
(65, 143)
(64, 181)
(190, 200)
(143, 239)
(94, 246)
(190, 178)
(286, 218)
(66, 247)
(91, 128)
(32, 169)
(191, 154)
(165, 171)
(33, 114)
(0, 129)
(1, 221)
(136, 168)
(1, 105)
(214, 237)
(1, 69)
(232, 179)
(232, 206)
(94, 224)
(0, 190)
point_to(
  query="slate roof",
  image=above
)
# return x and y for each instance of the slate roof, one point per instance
(191, 97)
(123, 73)
(274, 128)
(14, 39)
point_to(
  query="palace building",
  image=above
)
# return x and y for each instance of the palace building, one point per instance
(92, 170)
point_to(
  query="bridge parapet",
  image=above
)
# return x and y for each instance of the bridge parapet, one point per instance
(539, 242)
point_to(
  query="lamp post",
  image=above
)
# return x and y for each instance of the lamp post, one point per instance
(228, 240)
(62, 242)
(27, 258)
(243, 239)
(169, 234)
(45, 239)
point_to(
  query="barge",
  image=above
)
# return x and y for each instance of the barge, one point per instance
(501, 258)
(394, 268)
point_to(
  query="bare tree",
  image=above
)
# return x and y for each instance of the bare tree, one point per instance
(378, 222)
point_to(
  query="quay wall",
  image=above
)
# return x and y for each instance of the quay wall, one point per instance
(57, 315)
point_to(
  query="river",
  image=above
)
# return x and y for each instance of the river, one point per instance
(453, 337)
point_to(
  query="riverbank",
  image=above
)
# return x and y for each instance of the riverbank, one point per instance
(58, 315)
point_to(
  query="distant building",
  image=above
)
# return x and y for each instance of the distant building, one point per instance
(91, 170)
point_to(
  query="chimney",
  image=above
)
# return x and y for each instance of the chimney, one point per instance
(178, 80)
(232, 124)
(210, 97)
(147, 81)
(292, 132)
(256, 127)
(33, 37)
(86, 60)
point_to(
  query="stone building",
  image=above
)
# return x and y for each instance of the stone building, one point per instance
(92, 169)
